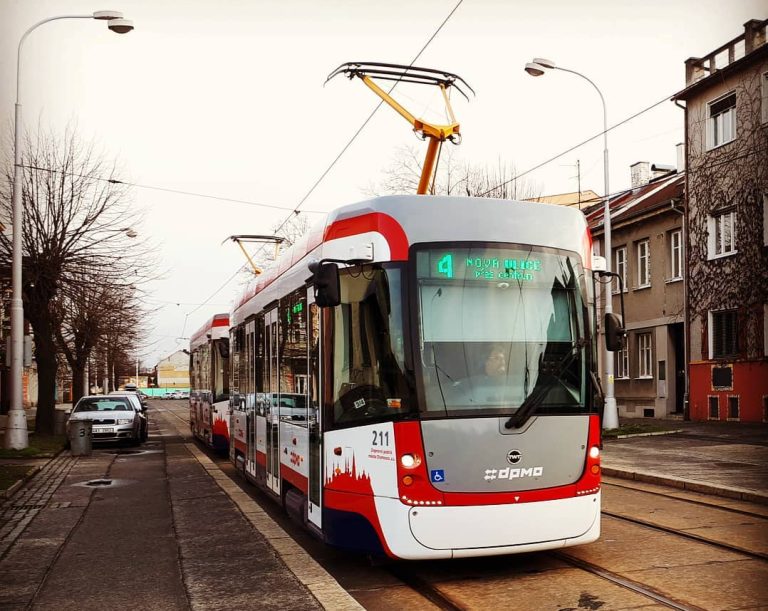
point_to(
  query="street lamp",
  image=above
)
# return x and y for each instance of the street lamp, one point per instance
(16, 437)
(538, 67)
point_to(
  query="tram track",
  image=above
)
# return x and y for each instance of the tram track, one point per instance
(623, 582)
(687, 535)
(678, 497)
(441, 593)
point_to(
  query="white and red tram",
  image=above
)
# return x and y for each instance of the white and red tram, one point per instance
(209, 383)
(447, 405)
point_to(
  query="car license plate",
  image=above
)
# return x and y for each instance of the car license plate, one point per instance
(103, 429)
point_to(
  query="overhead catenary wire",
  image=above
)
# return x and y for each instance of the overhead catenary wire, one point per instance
(127, 183)
(295, 211)
(575, 146)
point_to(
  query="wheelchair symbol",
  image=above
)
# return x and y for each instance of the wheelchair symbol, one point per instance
(437, 475)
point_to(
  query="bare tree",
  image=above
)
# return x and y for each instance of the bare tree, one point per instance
(73, 221)
(93, 311)
(454, 177)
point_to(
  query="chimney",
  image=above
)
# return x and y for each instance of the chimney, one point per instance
(754, 35)
(680, 157)
(641, 173)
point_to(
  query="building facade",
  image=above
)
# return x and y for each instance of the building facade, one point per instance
(647, 237)
(726, 122)
(173, 371)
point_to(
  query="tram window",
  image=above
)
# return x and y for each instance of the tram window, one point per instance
(368, 366)
(292, 401)
(492, 338)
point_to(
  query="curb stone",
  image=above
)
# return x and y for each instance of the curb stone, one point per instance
(9, 492)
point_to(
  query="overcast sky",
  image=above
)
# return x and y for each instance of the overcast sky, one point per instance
(226, 98)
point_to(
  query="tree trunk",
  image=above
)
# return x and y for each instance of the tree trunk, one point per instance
(78, 381)
(45, 355)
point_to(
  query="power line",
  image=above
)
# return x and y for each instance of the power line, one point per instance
(573, 148)
(295, 210)
(367, 120)
(116, 181)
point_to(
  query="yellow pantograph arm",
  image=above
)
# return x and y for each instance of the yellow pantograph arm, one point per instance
(430, 130)
(256, 270)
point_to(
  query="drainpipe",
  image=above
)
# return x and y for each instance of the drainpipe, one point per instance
(686, 280)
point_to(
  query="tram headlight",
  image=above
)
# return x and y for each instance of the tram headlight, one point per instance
(594, 452)
(409, 461)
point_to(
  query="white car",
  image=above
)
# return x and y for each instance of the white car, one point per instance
(114, 418)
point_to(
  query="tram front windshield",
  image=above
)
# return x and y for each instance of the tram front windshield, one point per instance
(500, 328)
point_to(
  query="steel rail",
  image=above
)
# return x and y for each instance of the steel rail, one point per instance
(753, 514)
(624, 582)
(698, 538)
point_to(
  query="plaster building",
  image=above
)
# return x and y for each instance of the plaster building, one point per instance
(173, 371)
(726, 125)
(647, 236)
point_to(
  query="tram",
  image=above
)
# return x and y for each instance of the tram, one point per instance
(209, 382)
(417, 379)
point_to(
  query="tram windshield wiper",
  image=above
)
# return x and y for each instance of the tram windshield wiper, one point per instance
(551, 372)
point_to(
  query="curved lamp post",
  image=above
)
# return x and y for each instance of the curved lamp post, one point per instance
(16, 437)
(537, 68)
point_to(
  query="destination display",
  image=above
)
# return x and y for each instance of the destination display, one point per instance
(481, 264)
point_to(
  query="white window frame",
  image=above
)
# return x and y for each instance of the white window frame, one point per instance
(719, 244)
(644, 356)
(622, 363)
(728, 416)
(643, 267)
(676, 255)
(721, 128)
(764, 96)
(620, 262)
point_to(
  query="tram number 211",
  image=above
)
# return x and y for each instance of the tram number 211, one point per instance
(380, 438)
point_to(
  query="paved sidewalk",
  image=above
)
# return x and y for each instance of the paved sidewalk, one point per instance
(155, 529)
(728, 459)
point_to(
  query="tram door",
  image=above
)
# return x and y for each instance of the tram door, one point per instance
(272, 403)
(313, 414)
(247, 384)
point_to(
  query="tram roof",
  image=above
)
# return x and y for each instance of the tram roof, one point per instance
(396, 222)
(218, 322)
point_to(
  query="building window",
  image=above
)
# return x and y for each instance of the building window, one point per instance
(721, 125)
(714, 408)
(622, 363)
(644, 356)
(620, 267)
(765, 219)
(733, 407)
(722, 234)
(764, 91)
(643, 264)
(676, 255)
(723, 334)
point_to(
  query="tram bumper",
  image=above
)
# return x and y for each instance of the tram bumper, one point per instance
(486, 530)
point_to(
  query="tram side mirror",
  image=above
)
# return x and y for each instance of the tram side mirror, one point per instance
(325, 278)
(614, 333)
